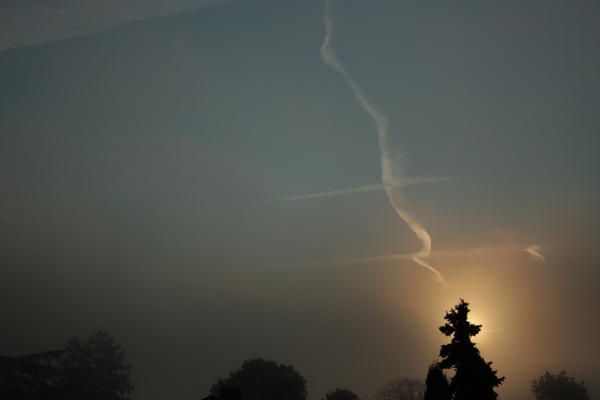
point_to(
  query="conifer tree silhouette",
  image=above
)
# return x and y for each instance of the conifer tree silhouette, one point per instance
(437, 385)
(95, 369)
(474, 378)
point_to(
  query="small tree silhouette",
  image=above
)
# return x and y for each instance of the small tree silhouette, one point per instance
(474, 378)
(341, 394)
(95, 369)
(558, 387)
(401, 389)
(437, 386)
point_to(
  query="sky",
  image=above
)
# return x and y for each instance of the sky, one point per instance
(197, 180)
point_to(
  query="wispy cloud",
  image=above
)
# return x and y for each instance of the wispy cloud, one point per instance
(26, 23)
(364, 188)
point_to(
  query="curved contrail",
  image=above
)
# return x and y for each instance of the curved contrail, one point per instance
(389, 174)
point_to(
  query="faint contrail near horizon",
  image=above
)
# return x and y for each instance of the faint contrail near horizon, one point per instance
(389, 174)
(419, 180)
(443, 253)
(29, 23)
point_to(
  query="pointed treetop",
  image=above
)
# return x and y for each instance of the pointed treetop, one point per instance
(457, 322)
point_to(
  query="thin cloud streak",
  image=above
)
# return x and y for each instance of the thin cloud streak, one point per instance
(390, 173)
(438, 254)
(362, 189)
(28, 23)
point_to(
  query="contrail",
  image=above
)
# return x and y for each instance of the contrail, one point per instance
(27, 23)
(535, 252)
(380, 259)
(423, 180)
(388, 173)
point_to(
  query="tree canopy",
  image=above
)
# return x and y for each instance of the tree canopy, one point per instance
(402, 389)
(341, 394)
(92, 370)
(558, 387)
(259, 379)
(30, 377)
(95, 369)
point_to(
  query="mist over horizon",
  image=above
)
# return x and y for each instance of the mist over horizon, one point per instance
(197, 181)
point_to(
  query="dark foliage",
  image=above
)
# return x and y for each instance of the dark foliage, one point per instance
(92, 370)
(341, 394)
(96, 369)
(34, 376)
(229, 393)
(259, 379)
(401, 389)
(437, 386)
(558, 387)
(474, 378)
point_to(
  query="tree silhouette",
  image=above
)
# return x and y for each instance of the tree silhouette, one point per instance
(34, 376)
(558, 387)
(229, 393)
(474, 378)
(437, 386)
(341, 394)
(401, 389)
(95, 369)
(259, 379)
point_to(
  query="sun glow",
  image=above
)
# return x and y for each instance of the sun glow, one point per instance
(477, 319)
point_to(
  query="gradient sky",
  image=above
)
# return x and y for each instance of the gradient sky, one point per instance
(144, 170)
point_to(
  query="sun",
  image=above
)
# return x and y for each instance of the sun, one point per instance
(477, 318)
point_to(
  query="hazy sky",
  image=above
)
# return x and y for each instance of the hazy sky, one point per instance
(154, 179)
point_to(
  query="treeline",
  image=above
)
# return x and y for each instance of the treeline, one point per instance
(95, 369)
(91, 369)
(473, 378)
